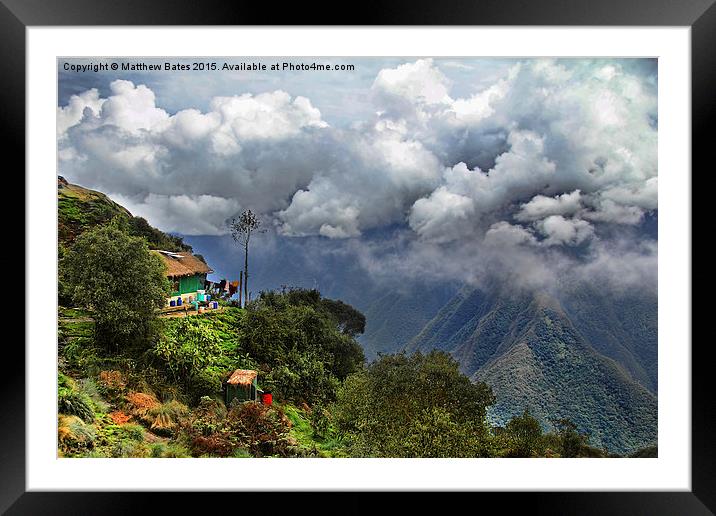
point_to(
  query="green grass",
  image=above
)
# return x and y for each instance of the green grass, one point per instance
(301, 430)
(73, 313)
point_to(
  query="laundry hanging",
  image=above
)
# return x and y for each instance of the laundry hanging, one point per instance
(233, 287)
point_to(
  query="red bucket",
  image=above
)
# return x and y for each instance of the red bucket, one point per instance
(267, 398)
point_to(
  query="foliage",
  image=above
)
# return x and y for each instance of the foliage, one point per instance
(300, 344)
(170, 450)
(349, 320)
(258, 429)
(524, 434)
(72, 402)
(74, 435)
(167, 417)
(572, 443)
(187, 348)
(390, 409)
(139, 227)
(116, 276)
(112, 384)
(80, 209)
(140, 405)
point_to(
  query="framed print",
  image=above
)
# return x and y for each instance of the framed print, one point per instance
(419, 253)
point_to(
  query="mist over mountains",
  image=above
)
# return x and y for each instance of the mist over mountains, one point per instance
(578, 350)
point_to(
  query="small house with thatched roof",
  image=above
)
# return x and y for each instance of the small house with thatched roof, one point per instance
(242, 385)
(186, 273)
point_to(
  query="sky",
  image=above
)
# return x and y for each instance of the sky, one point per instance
(539, 169)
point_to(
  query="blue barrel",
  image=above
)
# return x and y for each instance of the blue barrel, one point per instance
(179, 301)
(215, 305)
(172, 303)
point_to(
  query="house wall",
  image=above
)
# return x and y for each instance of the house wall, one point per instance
(188, 285)
(242, 393)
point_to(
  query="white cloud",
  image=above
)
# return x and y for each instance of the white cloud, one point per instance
(190, 215)
(504, 234)
(131, 107)
(420, 82)
(72, 113)
(442, 217)
(559, 230)
(542, 206)
(536, 158)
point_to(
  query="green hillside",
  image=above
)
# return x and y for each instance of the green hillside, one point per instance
(79, 209)
(622, 327)
(553, 372)
(530, 352)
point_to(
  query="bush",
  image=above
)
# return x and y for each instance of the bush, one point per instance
(74, 435)
(205, 383)
(167, 417)
(112, 382)
(258, 429)
(139, 405)
(75, 403)
(133, 432)
(187, 348)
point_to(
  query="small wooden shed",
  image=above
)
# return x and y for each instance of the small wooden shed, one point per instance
(242, 385)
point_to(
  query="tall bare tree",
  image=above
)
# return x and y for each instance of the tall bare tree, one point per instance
(241, 231)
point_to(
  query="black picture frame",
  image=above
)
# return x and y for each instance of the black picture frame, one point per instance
(700, 15)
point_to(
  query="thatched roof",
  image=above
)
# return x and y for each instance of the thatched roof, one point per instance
(242, 377)
(182, 264)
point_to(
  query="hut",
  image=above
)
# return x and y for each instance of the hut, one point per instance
(242, 385)
(186, 273)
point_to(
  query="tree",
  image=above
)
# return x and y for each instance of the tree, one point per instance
(414, 406)
(300, 343)
(119, 280)
(571, 441)
(241, 231)
(525, 433)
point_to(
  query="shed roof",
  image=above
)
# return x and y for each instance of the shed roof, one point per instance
(182, 264)
(242, 377)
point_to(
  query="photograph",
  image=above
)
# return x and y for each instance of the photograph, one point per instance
(357, 257)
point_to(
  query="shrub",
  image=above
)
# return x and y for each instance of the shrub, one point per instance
(129, 448)
(205, 383)
(139, 404)
(74, 435)
(75, 404)
(524, 435)
(119, 418)
(395, 406)
(133, 432)
(89, 387)
(167, 417)
(112, 383)
(260, 429)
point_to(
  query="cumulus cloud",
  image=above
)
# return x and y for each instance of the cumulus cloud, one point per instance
(72, 113)
(542, 206)
(193, 215)
(559, 230)
(524, 169)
